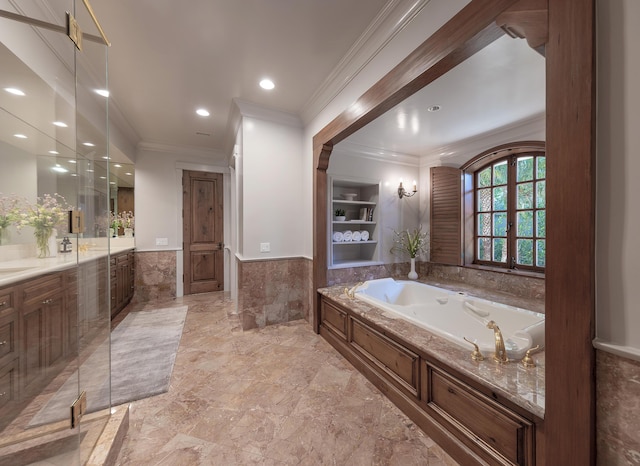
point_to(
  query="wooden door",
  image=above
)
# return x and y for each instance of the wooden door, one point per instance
(202, 232)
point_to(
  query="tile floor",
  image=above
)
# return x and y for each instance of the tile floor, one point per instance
(274, 396)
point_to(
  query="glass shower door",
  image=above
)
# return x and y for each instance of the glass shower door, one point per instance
(54, 281)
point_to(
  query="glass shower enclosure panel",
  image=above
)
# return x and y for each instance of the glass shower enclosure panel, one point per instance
(54, 270)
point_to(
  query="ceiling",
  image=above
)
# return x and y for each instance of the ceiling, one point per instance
(169, 58)
(501, 86)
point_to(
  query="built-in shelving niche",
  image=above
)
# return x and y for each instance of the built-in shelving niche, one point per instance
(359, 200)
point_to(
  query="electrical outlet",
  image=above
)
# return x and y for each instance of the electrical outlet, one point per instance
(265, 247)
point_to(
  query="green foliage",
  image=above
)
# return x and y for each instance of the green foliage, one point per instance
(412, 243)
(339, 212)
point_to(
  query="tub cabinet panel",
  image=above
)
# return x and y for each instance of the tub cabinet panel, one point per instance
(497, 433)
(397, 363)
(456, 411)
(334, 319)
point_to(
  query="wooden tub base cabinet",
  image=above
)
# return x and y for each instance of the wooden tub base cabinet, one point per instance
(472, 423)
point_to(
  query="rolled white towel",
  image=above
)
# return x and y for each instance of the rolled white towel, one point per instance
(356, 236)
(338, 237)
(364, 235)
(347, 235)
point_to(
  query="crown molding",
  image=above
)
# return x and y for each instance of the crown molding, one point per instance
(371, 153)
(190, 151)
(526, 129)
(251, 110)
(386, 25)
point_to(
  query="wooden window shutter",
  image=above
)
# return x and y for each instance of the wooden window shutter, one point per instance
(446, 215)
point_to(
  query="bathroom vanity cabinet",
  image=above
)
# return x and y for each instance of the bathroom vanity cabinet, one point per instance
(122, 281)
(42, 319)
(359, 201)
(476, 424)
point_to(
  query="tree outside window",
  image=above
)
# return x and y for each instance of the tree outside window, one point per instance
(510, 212)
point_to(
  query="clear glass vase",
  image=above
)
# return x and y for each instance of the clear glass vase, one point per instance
(44, 241)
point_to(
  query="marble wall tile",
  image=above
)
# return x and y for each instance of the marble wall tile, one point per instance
(518, 285)
(617, 410)
(155, 276)
(273, 291)
(528, 288)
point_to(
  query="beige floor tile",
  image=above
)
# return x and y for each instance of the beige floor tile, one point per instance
(274, 396)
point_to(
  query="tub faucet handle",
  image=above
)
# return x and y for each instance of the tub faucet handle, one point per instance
(500, 356)
(528, 361)
(351, 292)
(476, 355)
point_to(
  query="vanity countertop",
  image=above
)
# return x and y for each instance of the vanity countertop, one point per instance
(523, 386)
(20, 269)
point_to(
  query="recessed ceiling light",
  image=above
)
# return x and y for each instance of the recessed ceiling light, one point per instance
(72, 161)
(54, 152)
(130, 174)
(112, 182)
(117, 165)
(88, 144)
(267, 84)
(59, 169)
(434, 108)
(106, 157)
(20, 136)
(74, 174)
(203, 112)
(103, 177)
(60, 124)
(90, 170)
(102, 92)
(14, 91)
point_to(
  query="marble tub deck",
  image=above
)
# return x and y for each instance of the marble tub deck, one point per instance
(522, 386)
(279, 395)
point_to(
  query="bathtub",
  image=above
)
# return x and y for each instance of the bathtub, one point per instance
(454, 315)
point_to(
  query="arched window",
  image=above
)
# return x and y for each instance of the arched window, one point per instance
(509, 208)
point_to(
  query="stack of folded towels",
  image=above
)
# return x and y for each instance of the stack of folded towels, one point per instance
(348, 236)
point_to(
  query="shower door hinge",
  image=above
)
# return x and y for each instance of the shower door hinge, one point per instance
(78, 408)
(73, 31)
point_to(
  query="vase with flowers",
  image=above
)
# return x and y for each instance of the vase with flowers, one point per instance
(127, 220)
(8, 215)
(114, 224)
(412, 243)
(45, 216)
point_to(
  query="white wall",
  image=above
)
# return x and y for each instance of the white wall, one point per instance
(158, 196)
(429, 20)
(618, 189)
(272, 207)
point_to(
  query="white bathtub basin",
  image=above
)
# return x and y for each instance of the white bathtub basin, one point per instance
(455, 316)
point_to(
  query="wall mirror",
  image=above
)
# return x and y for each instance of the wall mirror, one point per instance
(494, 97)
(47, 147)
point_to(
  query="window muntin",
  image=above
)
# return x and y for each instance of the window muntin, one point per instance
(510, 211)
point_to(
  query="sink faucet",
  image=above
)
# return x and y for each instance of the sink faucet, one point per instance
(500, 356)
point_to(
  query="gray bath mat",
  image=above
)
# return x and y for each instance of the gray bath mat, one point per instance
(143, 351)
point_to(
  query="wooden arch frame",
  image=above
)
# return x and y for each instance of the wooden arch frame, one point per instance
(569, 426)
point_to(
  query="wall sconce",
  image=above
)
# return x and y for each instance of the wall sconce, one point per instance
(403, 193)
